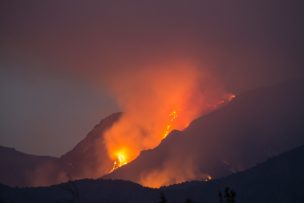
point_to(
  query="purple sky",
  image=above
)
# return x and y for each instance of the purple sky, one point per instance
(56, 55)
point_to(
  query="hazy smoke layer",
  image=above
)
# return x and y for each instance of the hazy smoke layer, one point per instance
(156, 99)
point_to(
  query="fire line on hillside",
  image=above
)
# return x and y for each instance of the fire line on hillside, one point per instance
(121, 156)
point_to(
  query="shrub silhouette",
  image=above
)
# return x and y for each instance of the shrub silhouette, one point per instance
(229, 195)
(220, 196)
(162, 198)
(72, 188)
(189, 201)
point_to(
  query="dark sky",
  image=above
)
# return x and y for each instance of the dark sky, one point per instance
(56, 56)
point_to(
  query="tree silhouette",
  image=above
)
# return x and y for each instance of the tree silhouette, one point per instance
(189, 201)
(220, 196)
(72, 188)
(229, 195)
(233, 194)
(162, 198)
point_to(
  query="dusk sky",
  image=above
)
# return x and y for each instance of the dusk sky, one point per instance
(62, 62)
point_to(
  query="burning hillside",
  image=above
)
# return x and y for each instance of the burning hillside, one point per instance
(156, 100)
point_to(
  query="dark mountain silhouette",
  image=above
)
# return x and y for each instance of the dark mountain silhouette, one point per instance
(89, 158)
(255, 126)
(279, 179)
(18, 168)
(22, 169)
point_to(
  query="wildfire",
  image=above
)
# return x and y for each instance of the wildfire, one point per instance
(127, 150)
(168, 129)
(231, 97)
(121, 159)
(154, 104)
(207, 178)
(224, 100)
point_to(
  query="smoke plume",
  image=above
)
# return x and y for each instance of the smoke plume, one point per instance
(155, 99)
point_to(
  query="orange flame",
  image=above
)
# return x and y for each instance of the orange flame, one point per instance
(120, 161)
(155, 104)
(207, 178)
(121, 157)
(126, 153)
(169, 127)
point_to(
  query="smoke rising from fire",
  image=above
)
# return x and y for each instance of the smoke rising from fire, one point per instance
(156, 99)
(171, 172)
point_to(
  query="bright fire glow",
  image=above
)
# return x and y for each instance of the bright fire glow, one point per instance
(121, 159)
(156, 100)
(126, 153)
(169, 127)
(207, 178)
(231, 97)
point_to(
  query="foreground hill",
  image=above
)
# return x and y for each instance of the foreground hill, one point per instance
(253, 127)
(280, 179)
(17, 168)
(88, 159)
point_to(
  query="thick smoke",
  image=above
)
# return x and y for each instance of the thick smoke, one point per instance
(149, 96)
(249, 43)
(171, 172)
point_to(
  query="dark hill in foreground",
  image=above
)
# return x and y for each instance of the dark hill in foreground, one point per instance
(280, 179)
(16, 168)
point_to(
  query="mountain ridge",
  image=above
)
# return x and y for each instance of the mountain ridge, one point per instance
(80, 162)
(264, 183)
(254, 126)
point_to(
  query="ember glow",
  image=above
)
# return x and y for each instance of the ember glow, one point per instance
(121, 159)
(155, 101)
(168, 129)
(207, 178)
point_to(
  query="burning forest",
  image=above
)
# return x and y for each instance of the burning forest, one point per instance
(155, 101)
